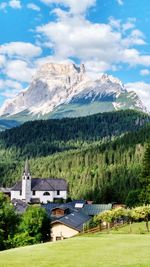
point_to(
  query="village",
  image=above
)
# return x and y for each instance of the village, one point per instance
(67, 217)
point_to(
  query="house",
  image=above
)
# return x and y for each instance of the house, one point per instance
(68, 219)
(68, 225)
(38, 190)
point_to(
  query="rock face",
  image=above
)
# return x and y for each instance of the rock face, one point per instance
(66, 85)
(52, 85)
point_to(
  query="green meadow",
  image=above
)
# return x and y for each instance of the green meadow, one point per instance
(84, 251)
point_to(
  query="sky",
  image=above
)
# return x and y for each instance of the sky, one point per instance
(108, 36)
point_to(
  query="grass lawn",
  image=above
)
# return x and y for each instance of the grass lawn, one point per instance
(84, 251)
(136, 228)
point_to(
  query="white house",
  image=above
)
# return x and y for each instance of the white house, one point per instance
(38, 189)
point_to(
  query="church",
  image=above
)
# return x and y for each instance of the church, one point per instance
(38, 190)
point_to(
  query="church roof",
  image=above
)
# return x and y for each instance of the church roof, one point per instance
(44, 184)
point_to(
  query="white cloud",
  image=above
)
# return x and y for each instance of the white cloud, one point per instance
(145, 72)
(10, 88)
(10, 84)
(33, 7)
(84, 40)
(3, 5)
(2, 60)
(19, 70)
(16, 4)
(120, 2)
(143, 91)
(22, 49)
(115, 23)
(17, 64)
(101, 45)
(133, 58)
(128, 25)
(75, 6)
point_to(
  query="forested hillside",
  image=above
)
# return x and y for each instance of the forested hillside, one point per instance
(41, 138)
(86, 151)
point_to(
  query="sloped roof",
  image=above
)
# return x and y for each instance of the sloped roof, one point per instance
(74, 220)
(94, 209)
(50, 206)
(44, 184)
(20, 206)
(5, 189)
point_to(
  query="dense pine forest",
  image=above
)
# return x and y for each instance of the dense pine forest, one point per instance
(100, 155)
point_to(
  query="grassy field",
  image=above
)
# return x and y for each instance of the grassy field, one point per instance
(136, 228)
(92, 251)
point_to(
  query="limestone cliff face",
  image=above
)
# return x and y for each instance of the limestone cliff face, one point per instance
(56, 84)
(52, 85)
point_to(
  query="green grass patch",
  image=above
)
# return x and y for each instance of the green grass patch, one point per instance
(135, 228)
(93, 251)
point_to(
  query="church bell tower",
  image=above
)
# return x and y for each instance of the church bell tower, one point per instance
(26, 183)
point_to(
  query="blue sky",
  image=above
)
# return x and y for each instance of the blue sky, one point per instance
(109, 36)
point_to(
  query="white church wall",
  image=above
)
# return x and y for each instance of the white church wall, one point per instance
(40, 194)
(16, 195)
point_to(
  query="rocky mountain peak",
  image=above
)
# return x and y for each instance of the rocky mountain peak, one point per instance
(109, 78)
(57, 69)
(57, 84)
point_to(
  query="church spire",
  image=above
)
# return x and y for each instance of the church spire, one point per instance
(26, 167)
(26, 183)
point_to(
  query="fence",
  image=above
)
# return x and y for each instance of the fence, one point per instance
(102, 227)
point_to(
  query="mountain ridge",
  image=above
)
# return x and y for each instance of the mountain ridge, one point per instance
(56, 85)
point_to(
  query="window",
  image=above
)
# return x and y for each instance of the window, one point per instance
(33, 193)
(20, 192)
(58, 192)
(46, 194)
(28, 177)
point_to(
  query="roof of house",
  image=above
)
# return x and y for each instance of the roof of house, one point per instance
(60, 208)
(94, 209)
(44, 184)
(74, 220)
(20, 206)
(51, 206)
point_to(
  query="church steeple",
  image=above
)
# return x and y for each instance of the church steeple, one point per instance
(26, 168)
(26, 183)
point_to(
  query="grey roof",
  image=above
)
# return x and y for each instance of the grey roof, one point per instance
(50, 206)
(20, 206)
(74, 220)
(94, 209)
(5, 189)
(60, 207)
(44, 184)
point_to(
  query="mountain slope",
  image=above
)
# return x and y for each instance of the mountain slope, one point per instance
(96, 154)
(58, 135)
(7, 124)
(65, 90)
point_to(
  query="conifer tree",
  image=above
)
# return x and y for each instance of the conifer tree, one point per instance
(145, 177)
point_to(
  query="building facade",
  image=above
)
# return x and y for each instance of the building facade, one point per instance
(39, 190)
